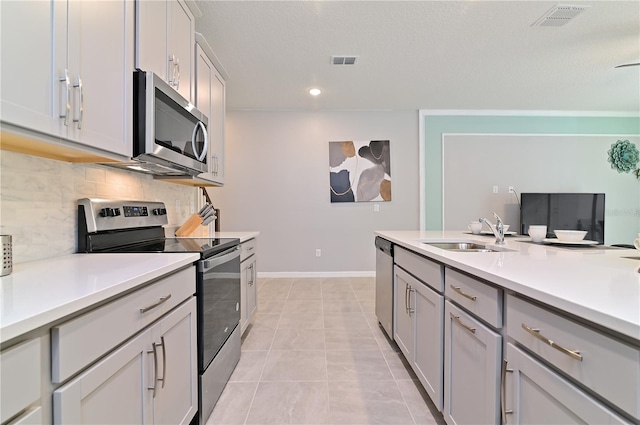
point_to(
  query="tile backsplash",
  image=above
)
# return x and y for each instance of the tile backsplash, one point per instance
(38, 200)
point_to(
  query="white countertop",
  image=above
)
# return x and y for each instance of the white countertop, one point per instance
(203, 232)
(599, 285)
(40, 292)
(243, 236)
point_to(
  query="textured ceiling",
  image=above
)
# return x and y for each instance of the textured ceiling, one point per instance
(425, 55)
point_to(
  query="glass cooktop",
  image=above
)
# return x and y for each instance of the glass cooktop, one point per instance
(205, 246)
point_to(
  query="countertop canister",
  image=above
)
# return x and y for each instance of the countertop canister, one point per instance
(7, 255)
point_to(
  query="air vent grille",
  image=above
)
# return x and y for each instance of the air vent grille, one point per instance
(343, 60)
(559, 15)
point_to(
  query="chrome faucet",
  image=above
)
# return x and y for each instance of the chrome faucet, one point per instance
(498, 229)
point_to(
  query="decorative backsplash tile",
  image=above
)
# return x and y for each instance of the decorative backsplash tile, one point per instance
(38, 200)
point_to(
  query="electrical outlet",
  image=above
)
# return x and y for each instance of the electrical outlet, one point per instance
(192, 207)
(318, 252)
(511, 189)
(376, 207)
(495, 189)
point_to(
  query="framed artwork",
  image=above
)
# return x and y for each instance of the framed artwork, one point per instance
(360, 171)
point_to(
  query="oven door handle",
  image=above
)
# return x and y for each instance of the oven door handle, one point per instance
(219, 259)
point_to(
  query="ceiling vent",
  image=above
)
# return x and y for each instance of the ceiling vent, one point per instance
(559, 15)
(343, 60)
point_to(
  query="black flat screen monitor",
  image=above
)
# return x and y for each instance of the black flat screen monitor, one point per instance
(564, 211)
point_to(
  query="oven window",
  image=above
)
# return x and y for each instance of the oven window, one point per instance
(218, 308)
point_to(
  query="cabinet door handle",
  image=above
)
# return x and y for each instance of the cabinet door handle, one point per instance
(251, 278)
(164, 360)
(67, 88)
(464, 294)
(575, 354)
(176, 79)
(80, 88)
(172, 70)
(155, 369)
(503, 391)
(151, 307)
(406, 298)
(461, 323)
(411, 310)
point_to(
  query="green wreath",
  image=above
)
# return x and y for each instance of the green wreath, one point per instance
(624, 157)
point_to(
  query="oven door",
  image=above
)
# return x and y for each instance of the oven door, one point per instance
(218, 296)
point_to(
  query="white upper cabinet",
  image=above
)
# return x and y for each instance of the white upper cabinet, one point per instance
(210, 100)
(27, 85)
(67, 70)
(98, 58)
(165, 39)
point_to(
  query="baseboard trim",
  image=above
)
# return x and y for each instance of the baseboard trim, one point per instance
(315, 274)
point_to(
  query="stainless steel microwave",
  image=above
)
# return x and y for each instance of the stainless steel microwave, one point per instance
(169, 133)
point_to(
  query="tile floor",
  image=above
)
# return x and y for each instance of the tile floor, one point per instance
(315, 354)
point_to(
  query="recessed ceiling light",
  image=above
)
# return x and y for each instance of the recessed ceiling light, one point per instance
(315, 92)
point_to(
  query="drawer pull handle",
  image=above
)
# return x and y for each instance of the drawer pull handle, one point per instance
(151, 307)
(536, 332)
(464, 294)
(467, 327)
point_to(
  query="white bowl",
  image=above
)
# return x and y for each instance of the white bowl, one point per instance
(505, 227)
(570, 235)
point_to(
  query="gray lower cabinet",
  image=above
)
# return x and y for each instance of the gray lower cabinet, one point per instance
(21, 368)
(32, 417)
(113, 391)
(537, 395)
(418, 330)
(403, 329)
(151, 379)
(472, 356)
(248, 283)
(486, 356)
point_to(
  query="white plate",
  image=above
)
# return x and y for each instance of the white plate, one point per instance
(559, 242)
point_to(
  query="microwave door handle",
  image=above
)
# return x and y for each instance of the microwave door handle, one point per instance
(203, 154)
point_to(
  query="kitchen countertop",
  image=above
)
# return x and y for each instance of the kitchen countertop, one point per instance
(203, 232)
(243, 236)
(41, 292)
(596, 284)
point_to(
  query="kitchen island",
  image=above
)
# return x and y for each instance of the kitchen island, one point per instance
(529, 333)
(595, 283)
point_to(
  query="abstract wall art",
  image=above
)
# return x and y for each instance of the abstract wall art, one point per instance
(360, 171)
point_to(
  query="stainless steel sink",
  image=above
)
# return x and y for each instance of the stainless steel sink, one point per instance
(460, 246)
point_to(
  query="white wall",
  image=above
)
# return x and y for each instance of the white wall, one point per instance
(535, 163)
(38, 200)
(277, 182)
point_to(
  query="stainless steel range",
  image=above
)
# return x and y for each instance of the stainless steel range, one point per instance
(118, 226)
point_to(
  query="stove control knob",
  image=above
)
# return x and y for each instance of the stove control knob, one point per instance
(159, 211)
(109, 212)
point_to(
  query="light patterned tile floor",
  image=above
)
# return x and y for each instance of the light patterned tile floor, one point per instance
(315, 354)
